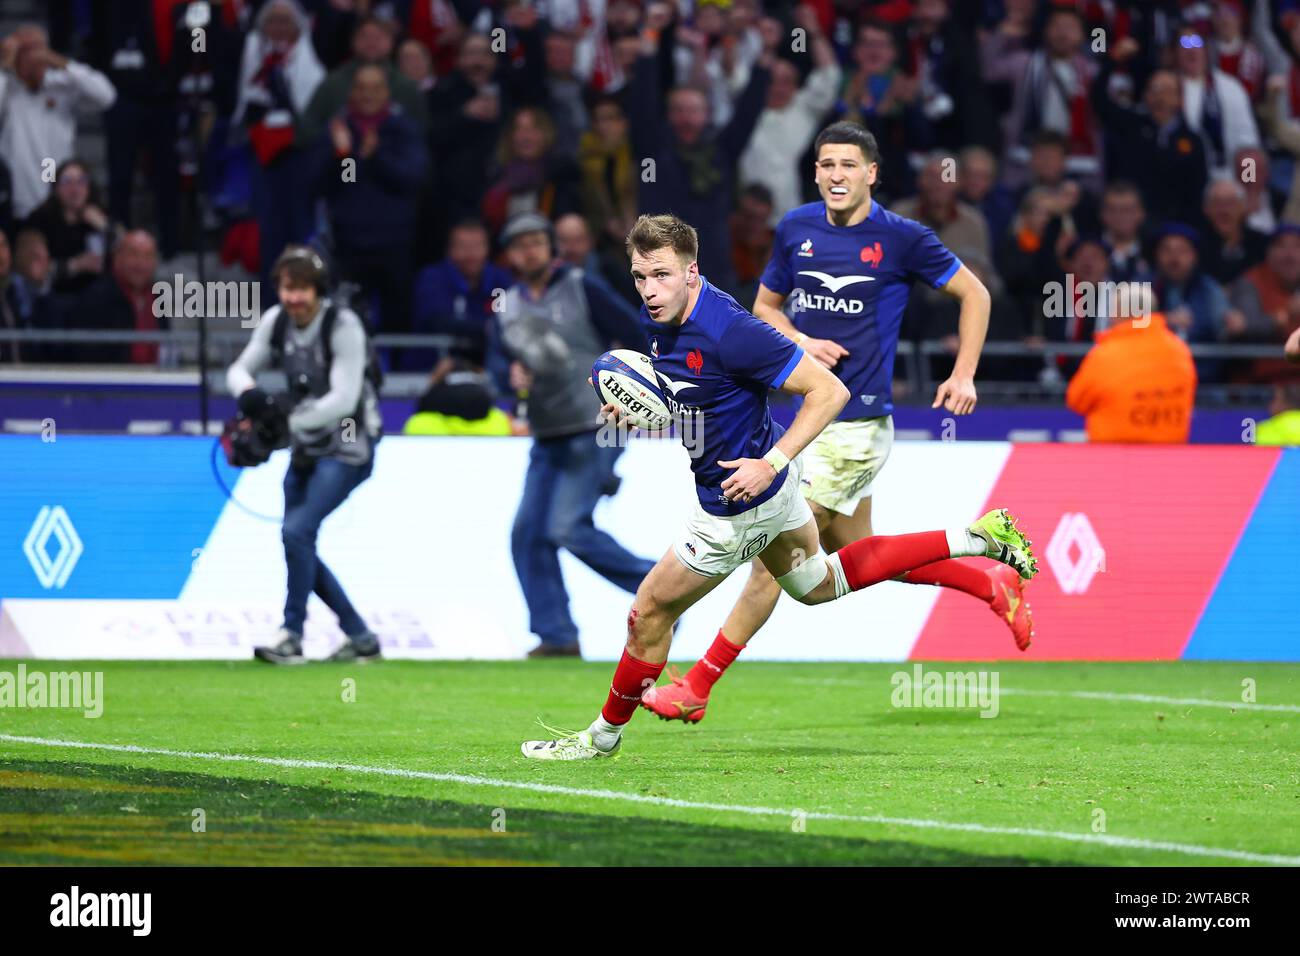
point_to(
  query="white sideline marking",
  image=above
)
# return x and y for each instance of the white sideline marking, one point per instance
(1085, 694)
(1134, 843)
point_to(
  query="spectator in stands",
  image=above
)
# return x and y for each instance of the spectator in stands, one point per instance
(372, 45)
(415, 63)
(1234, 53)
(792, 117)
(1230, 247)
(574, 245)
(24, 304)
(1122, 218)
(1137, 384)
(1087, 264)
(944, 57)
(123, 301)
(879, 95)
(715, 51)
(553, 325)
(959, 227)
(125, 41)
(609, 175)
(6, 199)
(40, 94)
(373, 209)
(694, 165)
(278, 74)
(1048, 160)
(564, 92)
(978, 186)
(455, 297)
(1050, 89)
(1215, 105)
(466, 108)
(75, 228)
(1273, 112)
(751, 239)
(32, 261)
(1254, 168)
(1267, 298)
(437, 26)
(1152, 145)
(1194, 305)
(1030, 256)
(530, 175)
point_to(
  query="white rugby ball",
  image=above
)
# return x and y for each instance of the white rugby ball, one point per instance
(626, 379)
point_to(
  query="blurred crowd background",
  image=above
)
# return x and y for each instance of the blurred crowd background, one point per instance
(1107, 141)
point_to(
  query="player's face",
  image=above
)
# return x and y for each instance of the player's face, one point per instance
(844, 177)
(664, 283)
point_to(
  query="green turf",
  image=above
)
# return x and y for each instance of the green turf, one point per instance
(817, 738)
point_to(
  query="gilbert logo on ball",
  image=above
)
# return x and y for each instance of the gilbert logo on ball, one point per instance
(626, 378)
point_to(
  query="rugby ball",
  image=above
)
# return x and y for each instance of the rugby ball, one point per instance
(626, 379)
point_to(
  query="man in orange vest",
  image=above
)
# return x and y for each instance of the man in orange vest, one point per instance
(1138, 384)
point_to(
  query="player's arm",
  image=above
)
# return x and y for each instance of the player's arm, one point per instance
(824, 397)
(957, 394)
(767, 306)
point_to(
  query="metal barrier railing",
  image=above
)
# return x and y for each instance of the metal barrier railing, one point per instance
(225, 344)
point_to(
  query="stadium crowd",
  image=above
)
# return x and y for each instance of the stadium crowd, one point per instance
(1110, 141)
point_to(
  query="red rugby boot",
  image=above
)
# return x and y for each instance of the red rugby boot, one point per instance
(1010, 605)
(676, 701)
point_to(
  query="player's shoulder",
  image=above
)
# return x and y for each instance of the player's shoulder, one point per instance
(724, 321)
(812, 212)
(886, 217)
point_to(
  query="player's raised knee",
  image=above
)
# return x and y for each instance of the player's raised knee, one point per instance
(811, 581)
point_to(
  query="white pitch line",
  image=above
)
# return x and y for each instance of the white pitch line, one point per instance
(1085, 694)
(1154, 699)
(1133, 843)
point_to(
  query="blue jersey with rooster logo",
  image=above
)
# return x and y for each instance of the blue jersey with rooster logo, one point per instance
(850, 284)
(715, 370)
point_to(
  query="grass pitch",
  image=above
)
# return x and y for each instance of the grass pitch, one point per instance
(1106, 764)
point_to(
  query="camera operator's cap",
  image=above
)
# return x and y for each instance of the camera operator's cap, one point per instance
(523, 224)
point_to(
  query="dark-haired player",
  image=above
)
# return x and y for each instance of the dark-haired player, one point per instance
(847, 264)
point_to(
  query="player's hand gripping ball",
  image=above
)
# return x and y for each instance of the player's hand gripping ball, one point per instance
(626, 380)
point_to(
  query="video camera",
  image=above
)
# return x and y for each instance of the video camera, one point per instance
(261, 427)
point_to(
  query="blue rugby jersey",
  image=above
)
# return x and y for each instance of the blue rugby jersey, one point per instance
(716, 369)
(850, 284)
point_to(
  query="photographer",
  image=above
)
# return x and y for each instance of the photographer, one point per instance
(332, 423)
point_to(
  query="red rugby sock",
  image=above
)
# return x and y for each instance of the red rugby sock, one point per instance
(879, 558)
(720, 655)
(631, 678)
(955, 574)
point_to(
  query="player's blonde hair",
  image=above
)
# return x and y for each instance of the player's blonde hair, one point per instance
(652, 233)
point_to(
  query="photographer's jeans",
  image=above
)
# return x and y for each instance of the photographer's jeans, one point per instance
(309, 495)
(566, 478)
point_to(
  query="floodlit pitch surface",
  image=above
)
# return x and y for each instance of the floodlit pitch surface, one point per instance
(216, 763)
